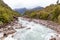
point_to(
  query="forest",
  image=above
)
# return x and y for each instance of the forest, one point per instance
(51, 12)
(6, 13)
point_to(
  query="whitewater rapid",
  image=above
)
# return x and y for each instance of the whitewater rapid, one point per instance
(32, 31)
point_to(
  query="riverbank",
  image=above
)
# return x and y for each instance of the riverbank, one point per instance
(50, 24)
(11, 28)
(36, 23)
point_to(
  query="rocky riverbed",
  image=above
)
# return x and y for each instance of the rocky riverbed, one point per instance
(24, 27)
(47, 23)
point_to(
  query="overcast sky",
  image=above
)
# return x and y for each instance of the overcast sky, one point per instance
(28, 3)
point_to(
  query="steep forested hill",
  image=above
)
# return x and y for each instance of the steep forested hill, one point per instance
(6, 13)
(51, 12)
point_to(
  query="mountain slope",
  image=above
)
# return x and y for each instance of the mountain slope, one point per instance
(51, 12)
(6, 13)
(37, 8)
(23, 10)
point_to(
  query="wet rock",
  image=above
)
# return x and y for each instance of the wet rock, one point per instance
(53, 39)
(28, 28)
(1, 29)
(17, 26)
(5, 35)
(9, 32)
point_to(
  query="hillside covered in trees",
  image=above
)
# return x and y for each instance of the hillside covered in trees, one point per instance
(6, 13)
(51, 12)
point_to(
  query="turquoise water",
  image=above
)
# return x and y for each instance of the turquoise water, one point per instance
(33, 31)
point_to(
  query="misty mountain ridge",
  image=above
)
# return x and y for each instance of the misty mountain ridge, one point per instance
(22, 10)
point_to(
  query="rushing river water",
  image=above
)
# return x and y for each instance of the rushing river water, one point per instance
(32, 31)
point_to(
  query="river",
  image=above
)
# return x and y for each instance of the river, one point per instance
(32, 31)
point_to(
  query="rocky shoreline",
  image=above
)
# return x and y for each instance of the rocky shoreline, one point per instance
(10, 29)
(47, 23)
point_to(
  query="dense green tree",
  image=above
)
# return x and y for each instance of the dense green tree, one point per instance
(6, 13)
(51, 12)
(59, 19)
(43, 15)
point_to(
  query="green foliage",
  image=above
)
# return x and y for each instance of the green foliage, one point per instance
(59, 19)
(51, 12)
(32, 15)
(6, 13)
(1, 23)
(55, 13)
(43, 15)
